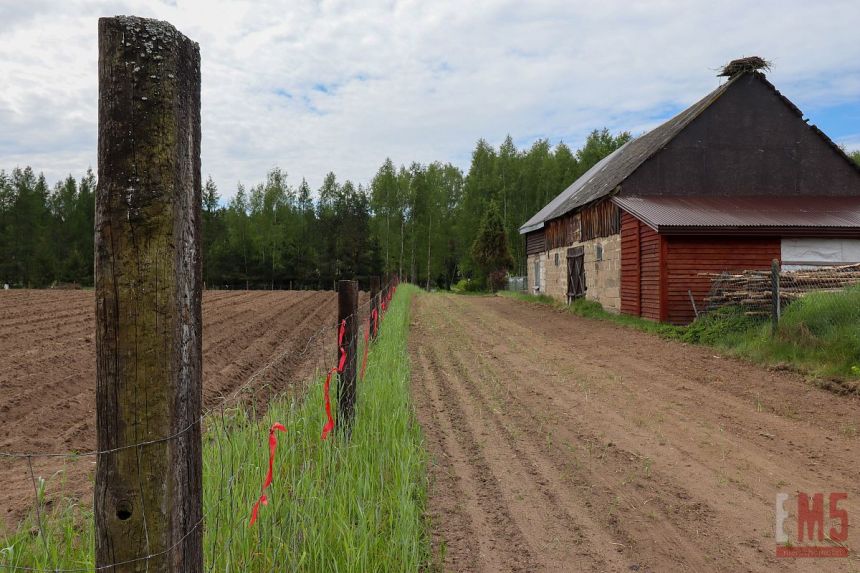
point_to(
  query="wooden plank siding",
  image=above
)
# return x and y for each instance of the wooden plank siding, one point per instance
(630, 268)
(562, 231)
(641, 258)
(650, 258)
(686, 257)
(535, 242)
(657, 271)
(599, 220)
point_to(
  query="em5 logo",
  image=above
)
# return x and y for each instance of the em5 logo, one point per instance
(811, 526)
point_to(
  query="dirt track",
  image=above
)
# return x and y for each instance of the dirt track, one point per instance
(567, 444)
(47, 371)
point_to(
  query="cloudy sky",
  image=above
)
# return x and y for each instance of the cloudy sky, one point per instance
(318, 86)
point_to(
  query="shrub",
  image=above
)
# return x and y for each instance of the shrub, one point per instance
(721, 327)
(468, 285)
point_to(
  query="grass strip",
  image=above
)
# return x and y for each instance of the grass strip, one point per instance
(335, 505)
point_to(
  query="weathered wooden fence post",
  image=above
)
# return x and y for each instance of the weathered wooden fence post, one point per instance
(774, 287)
(374, 306)
(148, 498)
(347, 309)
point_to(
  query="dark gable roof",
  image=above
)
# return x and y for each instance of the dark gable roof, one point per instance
(602, 179)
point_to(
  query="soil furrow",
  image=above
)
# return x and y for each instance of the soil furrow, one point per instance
(48, 375)
(664, 455)
(500, 540)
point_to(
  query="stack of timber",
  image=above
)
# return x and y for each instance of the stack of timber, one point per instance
(753, 291)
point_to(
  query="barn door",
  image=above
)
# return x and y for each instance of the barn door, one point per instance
(575, 273)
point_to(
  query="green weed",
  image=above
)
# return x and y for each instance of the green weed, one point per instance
(335, 505)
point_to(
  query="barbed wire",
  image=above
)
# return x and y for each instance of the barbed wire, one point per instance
(234, 393)
(103, 567)
(363, 311)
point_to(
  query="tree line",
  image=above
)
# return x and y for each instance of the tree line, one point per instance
(421, 221)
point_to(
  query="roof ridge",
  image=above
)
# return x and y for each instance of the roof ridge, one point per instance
(651, 143)
(815, 129)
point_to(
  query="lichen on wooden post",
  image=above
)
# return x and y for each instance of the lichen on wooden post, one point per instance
(148, 498)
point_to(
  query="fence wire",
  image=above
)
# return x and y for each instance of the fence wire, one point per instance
(767, 294)
(242, 406)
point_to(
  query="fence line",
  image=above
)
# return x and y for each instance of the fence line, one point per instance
(761, 294)
(233, 394)
(363, 314)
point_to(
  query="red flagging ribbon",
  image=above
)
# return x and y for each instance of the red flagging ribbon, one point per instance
(375, 322)
(329, 425)
(273, 444)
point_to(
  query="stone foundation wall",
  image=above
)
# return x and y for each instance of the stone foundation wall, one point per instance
(535, 264)
(602, 271)
(603, 277)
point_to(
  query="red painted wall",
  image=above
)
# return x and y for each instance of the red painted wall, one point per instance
(686, 257)
(630, 264)
(657, 271)
(641, 250)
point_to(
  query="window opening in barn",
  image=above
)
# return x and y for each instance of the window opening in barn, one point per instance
(598, 252)
(556, 259)
(537, 274)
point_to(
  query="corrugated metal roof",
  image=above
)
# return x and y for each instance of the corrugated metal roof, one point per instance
(746, 215)
(606, 175)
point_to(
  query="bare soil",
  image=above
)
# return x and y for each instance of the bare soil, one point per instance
(561, 443)
(255, 345)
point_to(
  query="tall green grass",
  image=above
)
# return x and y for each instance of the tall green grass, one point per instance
(819, 333)
(352, 504)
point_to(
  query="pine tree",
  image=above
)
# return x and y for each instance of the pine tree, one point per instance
(212, 233)
(490, 249)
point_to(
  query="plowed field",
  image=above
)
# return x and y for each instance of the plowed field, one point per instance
(256, 340)
(566, 444)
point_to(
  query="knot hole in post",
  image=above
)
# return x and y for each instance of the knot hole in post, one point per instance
(124, 510)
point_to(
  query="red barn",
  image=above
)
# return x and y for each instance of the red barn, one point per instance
(735, 181)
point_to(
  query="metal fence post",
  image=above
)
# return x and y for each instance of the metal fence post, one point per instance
(148, 286)
(347, 309)
(774, 286)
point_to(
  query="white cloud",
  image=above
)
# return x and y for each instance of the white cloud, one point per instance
(850, 142)
(314, 86)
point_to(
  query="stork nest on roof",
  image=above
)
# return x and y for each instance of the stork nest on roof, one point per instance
(739, 66)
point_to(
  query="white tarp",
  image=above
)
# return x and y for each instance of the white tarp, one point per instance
(805, 253)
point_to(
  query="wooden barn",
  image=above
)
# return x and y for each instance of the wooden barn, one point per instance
(735, 181)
